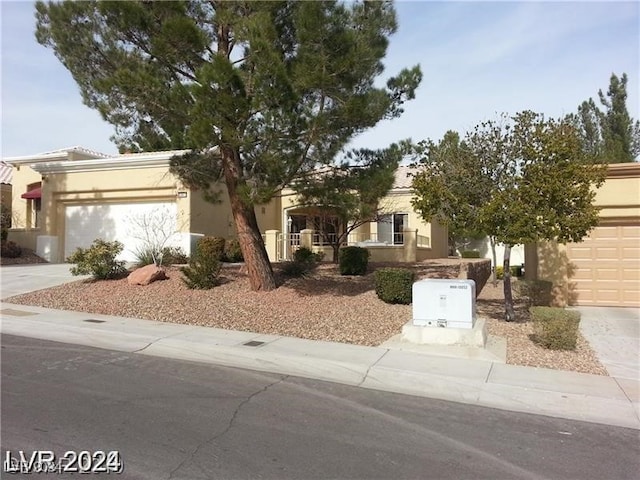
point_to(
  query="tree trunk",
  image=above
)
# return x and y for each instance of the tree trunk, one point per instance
(336, 251)
(494, 277)
(509, 312)
(259, 269)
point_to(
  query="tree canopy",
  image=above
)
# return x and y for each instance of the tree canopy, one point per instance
(533, 181)
(456, 184)
(350, 194)
(611, 136)
(260, 92)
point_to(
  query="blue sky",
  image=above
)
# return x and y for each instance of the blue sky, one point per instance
(477, 58)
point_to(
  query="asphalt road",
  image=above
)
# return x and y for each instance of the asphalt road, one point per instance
(179, 420)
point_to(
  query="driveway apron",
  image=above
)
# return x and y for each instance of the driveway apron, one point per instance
(18, 279)
(614, 334)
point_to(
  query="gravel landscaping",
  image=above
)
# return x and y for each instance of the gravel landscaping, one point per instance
(321, 306)
(27, 257)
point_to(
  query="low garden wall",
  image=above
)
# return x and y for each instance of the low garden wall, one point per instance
(478, 270)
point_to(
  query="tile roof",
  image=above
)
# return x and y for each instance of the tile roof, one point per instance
(6, 173)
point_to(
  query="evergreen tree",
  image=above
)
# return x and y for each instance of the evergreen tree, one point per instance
(260, 92)
(611, 136)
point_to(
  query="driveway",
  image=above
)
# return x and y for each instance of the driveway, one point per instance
(17, 279)
(614, 334)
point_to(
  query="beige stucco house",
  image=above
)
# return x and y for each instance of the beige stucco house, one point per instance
(604, 269)
(65, 199)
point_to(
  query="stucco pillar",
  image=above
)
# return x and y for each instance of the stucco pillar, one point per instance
(306, 238)
(410, 245)
(271, 244)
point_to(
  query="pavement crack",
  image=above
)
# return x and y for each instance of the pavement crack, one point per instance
(366, 374)
(145, 347)
(486, 380)
(157, 340)
(229, 426)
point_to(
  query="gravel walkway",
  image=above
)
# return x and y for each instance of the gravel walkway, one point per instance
(322, 306)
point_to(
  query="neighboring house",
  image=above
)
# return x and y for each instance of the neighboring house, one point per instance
(65, 199)
(604, 269)
(6, 175)
(484, 247)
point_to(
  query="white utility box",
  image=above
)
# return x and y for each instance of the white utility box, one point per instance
(444, 303)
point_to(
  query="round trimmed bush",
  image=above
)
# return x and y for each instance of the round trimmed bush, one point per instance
(394, 285)
(212, 246)
(353, 261)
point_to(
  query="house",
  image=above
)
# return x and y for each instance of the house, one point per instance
(6, 175)
(603, 269)
(66, 198)
(399, 234)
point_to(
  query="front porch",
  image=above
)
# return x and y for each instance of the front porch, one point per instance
(414, 248)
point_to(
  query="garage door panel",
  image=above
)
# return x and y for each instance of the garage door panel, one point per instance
(631, 232)
(606, 266)
(604, 233)
(124, 222)
(606, 274)
(631, 274)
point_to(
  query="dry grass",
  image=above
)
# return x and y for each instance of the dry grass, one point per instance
(321, 306)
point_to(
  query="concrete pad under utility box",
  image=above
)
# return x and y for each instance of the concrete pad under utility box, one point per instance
(424, 335)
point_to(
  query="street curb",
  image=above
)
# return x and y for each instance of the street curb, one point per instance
(569, 395)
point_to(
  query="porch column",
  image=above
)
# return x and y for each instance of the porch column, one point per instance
(410, 245)
(271, 244)
(306, 238)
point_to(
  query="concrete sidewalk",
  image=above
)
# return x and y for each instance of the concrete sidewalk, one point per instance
(577, 396)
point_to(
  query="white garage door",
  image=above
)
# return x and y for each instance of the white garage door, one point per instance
(607, 267)
(128, 223)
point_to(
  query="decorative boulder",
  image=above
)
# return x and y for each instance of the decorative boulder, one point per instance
(146, 275)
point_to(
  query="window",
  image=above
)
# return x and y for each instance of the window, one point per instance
(390, 228)
(34, 204)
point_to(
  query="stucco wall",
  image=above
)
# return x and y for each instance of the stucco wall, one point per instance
(619, 199)
(22, 177)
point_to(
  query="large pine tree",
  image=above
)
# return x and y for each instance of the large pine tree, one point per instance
(609, 135)
(259, 91)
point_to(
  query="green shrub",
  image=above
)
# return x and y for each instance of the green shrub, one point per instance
(212, 246)
(304, 255)
(147, 256)
(99, 260)
(319, 256)
(470, 254)
(10, 250)
(174, 255)
(167, 256)
(232, 251)
(304, 260)
(537, 292)
(294, 269)
(353, 260)
(393, 285)
(516, 271)
(204, 267)
(555, 328)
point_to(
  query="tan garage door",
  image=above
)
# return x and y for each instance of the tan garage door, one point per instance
(607, 267)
